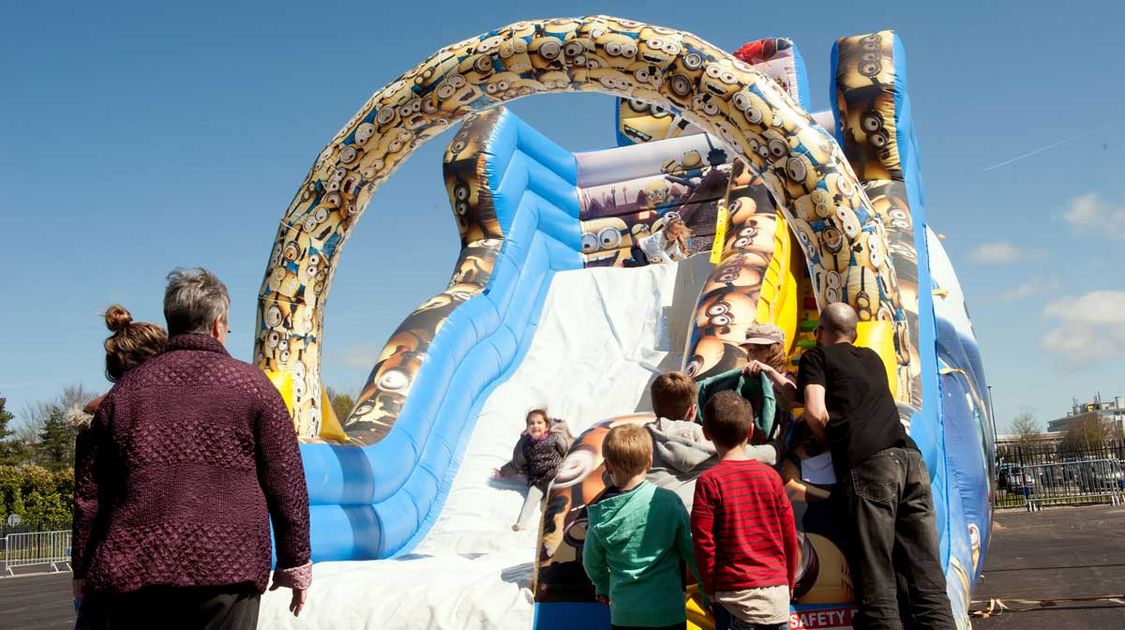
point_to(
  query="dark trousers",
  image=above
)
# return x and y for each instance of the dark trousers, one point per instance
(894, 542)
(726, 621)
(675, 626)
(637, 258)
(228, 607)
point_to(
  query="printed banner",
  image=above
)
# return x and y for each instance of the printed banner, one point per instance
(839, 617)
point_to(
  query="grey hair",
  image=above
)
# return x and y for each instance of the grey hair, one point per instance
(193, 300)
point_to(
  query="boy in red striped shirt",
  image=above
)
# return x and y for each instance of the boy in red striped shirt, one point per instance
(742, 526)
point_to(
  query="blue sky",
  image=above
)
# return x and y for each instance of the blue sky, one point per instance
(135, 138)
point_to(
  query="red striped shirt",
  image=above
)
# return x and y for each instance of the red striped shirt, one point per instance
(742, 526)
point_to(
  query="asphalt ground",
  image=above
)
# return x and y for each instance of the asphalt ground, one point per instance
(1054, 553)
(36, 601)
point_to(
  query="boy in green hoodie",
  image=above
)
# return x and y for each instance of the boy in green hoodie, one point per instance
(636, 538)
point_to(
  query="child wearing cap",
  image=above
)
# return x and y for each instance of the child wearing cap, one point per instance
(761, 379)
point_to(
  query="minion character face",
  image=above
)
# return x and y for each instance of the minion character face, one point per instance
(755, 235)
(410, 112)
(655, 194)
(647, 75)
(609, 79)
(641, 121)
(452, 96)
(509, 85)
(432, 72)
(743, 271)
(710, 355)
(477, 69)
(754, 109)
(555, 80)
(514, 57)
(709, 105)
(656, 48)
(617, 50)
(742, 209)
(721, 79)
(869, 60)
(604, 239)
(724, 312)
(777, 145)
(546, 53)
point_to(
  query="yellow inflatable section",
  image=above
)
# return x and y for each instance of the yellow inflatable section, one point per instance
(330, 428)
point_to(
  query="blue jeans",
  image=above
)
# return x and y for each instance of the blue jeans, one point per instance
(894, 543)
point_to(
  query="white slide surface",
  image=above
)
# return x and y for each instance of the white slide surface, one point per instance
(603, 335)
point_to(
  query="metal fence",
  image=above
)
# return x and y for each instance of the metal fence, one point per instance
(31, 549)
(1034, 475)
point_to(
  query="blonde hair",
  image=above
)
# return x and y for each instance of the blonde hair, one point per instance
(775, 357)
(673, 393)
(678, 230)
(628, 449)
(131, 344)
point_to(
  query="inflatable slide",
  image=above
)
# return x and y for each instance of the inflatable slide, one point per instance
(407, 529)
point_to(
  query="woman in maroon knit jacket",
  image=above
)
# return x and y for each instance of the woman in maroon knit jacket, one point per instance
(186, 461)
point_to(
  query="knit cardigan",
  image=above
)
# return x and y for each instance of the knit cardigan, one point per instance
(186, 461)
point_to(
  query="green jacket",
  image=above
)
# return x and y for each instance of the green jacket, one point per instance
(634, 544)
(759, 391)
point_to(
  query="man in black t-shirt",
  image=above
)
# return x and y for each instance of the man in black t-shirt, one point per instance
(849, 406)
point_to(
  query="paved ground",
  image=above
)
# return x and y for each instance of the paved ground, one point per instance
(1059, 552)
(36, 601)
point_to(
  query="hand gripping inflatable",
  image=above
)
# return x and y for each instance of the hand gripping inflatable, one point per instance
(800, 164)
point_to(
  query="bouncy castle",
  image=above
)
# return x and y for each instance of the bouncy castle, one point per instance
(790, 210)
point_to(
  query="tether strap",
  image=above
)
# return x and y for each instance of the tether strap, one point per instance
(995, 607)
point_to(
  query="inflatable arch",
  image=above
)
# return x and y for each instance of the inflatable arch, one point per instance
(518, 200)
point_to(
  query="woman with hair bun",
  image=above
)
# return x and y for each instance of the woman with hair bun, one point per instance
(131, 344)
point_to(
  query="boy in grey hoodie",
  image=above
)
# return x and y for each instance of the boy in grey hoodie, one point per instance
(637, 537)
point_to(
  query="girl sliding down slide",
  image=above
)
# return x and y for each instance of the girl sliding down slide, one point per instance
(538, 455)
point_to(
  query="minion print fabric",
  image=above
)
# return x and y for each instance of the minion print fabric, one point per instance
(798, 162)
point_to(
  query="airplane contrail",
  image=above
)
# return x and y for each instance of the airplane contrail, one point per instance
(1031, 153)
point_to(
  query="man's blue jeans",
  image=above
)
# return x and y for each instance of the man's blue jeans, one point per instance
(891, 509)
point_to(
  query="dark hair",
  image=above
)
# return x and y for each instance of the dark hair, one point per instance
(542, 413)
(673, 393)
(628, 449)
(131, 344)
(728, 419)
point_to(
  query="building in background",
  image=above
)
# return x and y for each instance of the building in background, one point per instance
(1111, 413)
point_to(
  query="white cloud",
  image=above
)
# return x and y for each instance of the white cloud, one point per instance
(1091, 327)
(997, 253)
(1030, 288)
(1090, 215)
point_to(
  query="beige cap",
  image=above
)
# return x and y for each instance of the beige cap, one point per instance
(764, 335)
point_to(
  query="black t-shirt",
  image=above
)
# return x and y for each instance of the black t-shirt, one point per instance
(862, 415)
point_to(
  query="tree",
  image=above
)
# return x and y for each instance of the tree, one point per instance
(55, 448)
(37, 415)
(342, 403)
(1026, 425)
(1085, 432)
(11, 449)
